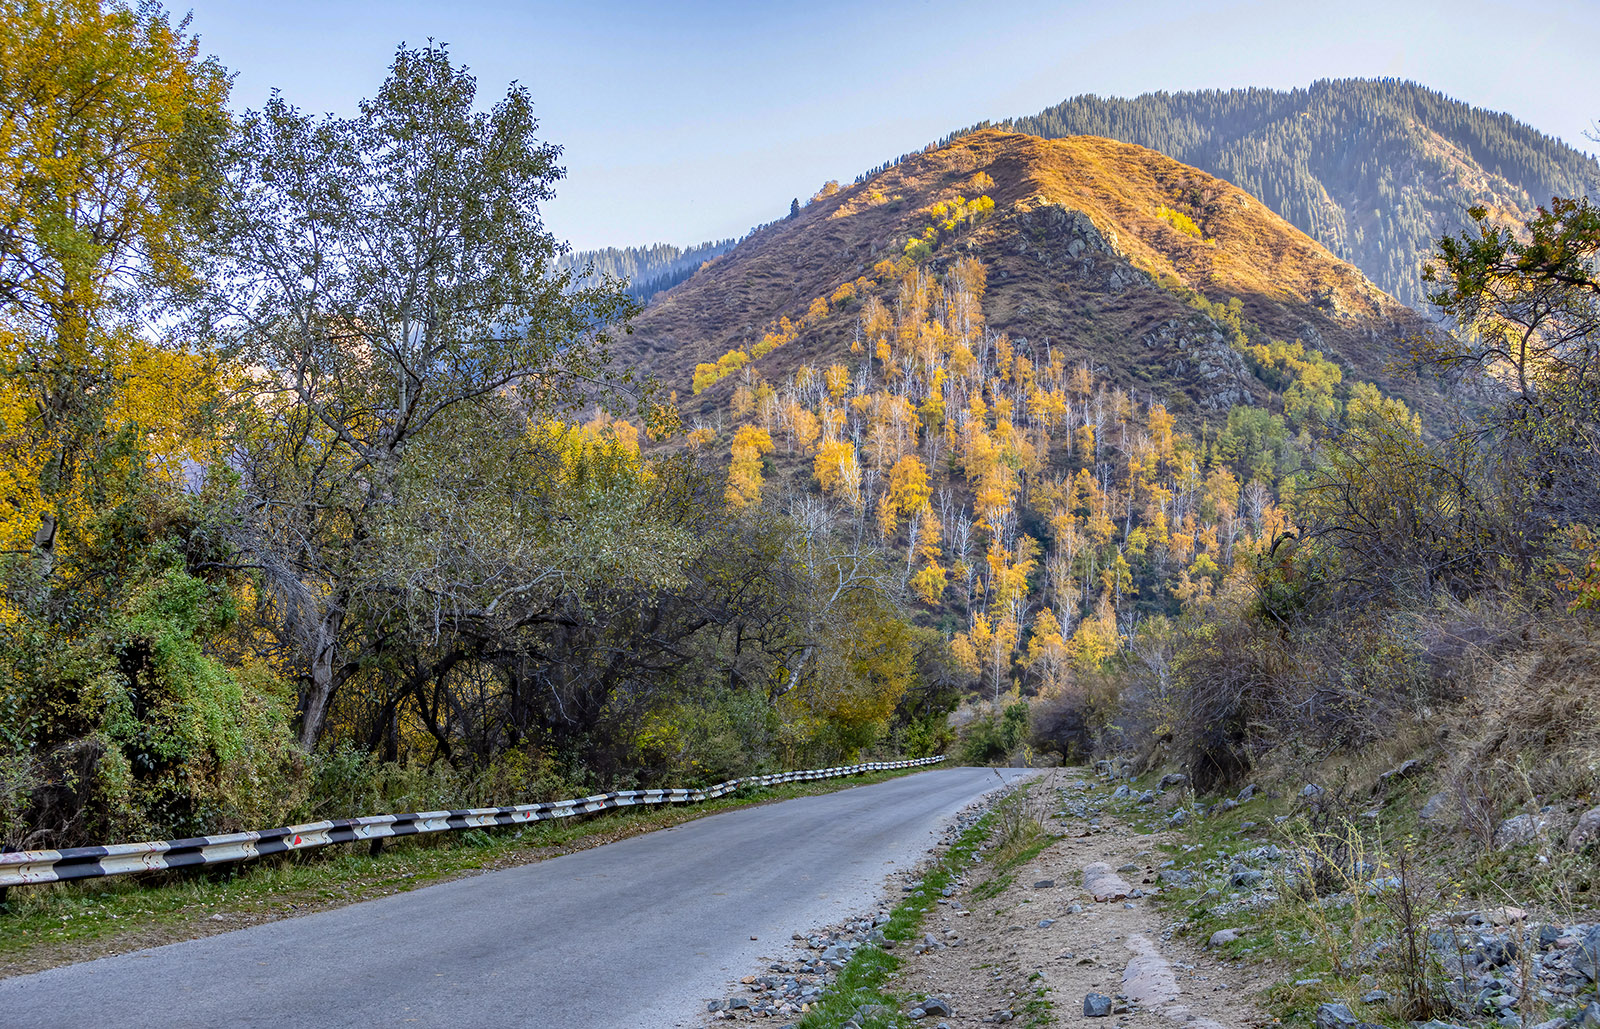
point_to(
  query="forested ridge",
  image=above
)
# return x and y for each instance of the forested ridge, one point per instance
(647, 270)
(1374, 169)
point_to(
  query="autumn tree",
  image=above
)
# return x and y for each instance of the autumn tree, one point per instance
(107, 156)
(744, 475)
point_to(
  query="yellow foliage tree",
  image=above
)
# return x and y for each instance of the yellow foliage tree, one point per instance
(744, 475)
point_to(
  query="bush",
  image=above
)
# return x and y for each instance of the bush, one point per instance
(990, 739)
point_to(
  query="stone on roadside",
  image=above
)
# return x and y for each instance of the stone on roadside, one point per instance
(938, 1006)
(1096, 1005)
(1222, 936)
(1336, 1016)
(1586, 962)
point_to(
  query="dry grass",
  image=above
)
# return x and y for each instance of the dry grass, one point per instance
(1535, 716)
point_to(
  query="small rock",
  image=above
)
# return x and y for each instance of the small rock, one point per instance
(1178, 818)
(1405, 770)
(1222, 936)
(1045, 884)
(938, 1006)
(1336, 1016)
(1224, 806)
(1434, 808)
(1590, 1017)
(1248, 792)
(1586, 961)
(1375, 997)
(1147, 797)
(1005, 1015)
(1096, 1005)
(1174, 779)
(1045, 923)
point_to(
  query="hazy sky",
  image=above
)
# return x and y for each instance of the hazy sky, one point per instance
(690, 121)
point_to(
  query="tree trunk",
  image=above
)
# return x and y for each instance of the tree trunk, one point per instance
(319, 692)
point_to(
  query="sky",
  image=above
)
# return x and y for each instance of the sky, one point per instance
(688, 121)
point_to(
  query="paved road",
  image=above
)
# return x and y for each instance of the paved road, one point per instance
(638, 933)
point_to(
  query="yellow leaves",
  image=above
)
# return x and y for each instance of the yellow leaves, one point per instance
(1180, 221)
(817, 311)
(100, 105)
(837, 379)
(1009, 570)
(1097, 638)
(705, 376)
(838, 471)
(744, 474)
(929, 584)
(613, 432)
(928, 536)
(909, 490)
(22, 456)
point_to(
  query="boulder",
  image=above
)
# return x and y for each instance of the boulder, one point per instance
(1586, 833)
(1525, 830)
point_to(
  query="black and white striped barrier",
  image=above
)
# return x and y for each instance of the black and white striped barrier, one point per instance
(25, 867)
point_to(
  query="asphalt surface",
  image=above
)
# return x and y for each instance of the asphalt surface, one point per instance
(638, 933)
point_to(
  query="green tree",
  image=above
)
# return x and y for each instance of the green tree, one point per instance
(1526, 304)
(385, 275)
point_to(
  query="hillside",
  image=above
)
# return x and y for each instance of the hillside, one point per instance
(1375, 170)
(1065, 385)
(1095, 251)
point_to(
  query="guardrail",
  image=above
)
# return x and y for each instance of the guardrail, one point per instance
(30, 867)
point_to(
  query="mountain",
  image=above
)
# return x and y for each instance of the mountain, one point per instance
(1374, 169)
(1064, 385)
(650, 269)
(1106, 253)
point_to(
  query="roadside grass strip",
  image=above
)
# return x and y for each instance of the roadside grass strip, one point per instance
(859, 993)
(59, 923)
